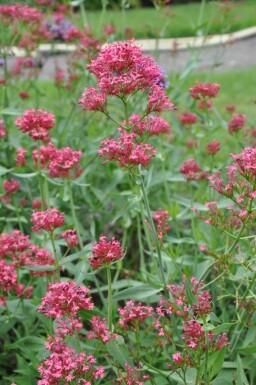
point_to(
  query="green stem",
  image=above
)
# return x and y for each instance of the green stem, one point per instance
(74, 213)
(57, 264)
(153, 231)
(109, 298)
(142, 256)
(41, 189)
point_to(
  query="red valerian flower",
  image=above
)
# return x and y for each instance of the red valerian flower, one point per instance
(70, 237)
(65, 299)
(188, 118)
(236, 123)
(11, 186)
(100, 330)
(93, 100)
(161, 218)
(126, 151)
(133, 313)
(213, 147)
(64, 163)
(20, 157)
(121, 69)
(192, 171)
(36, 123)
(104, 253)
(204, 91)
(48, 220)
(149, 126)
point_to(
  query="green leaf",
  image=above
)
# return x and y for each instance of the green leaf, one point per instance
(222, 328)
(119, 352)
(72, 257)
(26, 175)
(215, 362)
(241, 377)
(136, 293)
(4, 170)
(41, 268)
(12, 111)
(189, 294)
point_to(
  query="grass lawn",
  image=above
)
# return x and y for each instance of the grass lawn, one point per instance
(237, 87)
(181, 20)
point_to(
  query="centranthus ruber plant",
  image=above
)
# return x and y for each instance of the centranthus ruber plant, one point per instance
(127, 244)
(122, 71)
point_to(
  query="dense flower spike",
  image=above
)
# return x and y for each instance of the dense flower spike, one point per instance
(126, 150)
(11, 186)
(161, 218)
(36, 123)
(100, 331)
(192, 171)
(93, 100)
(20, 157)
(104, 253)
(122, 69)
(134, 314)
(152, 125)
(70, 237)
(48, 220)
(47, 153)
(204, 91)
(64, 163)
(69, 367)
(65, 299)
(158, 101)
(188, 118)
(236, 123)
(21, 12)
(213, 147)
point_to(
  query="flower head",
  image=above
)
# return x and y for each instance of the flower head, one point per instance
(48, 220)
(92, 100)
(65, 299)
(36, 123)
(236, 123)
(64, 163)
(70, 237)
(126, 150)
(20, 157)
(204, 91)
(105, 252)
(192, 171)
(213, 147)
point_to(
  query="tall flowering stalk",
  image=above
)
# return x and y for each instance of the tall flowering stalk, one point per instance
(122, 71)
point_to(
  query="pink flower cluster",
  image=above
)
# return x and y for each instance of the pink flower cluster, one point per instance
(60, 163)
(188, 118)
(100, 330)
(213, 147)
(36, 123)
(62, 302)
(93, 100)
(121, 69)
(104, 253)
(21, 12)
(149, 126)
(48, 220)
(126, 150)
(65, 299)
(10, 186)
(71, 237)
(204, 90)
(20, 157)
(67, 365)
(236, 123)
(133, 315)
(192, 171)
(161, 218)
